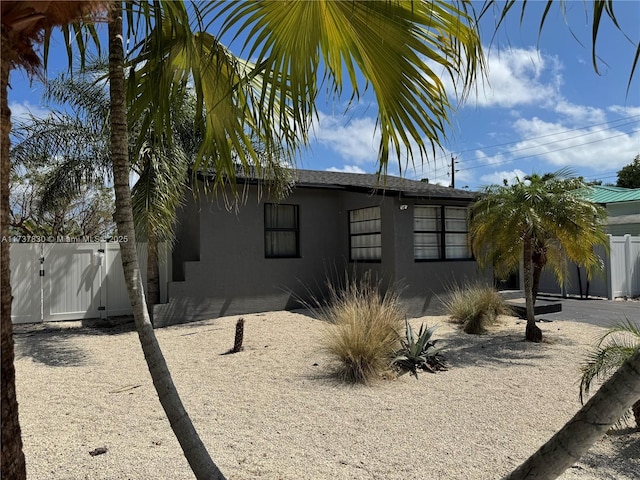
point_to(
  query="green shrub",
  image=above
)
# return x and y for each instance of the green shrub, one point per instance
(363, 329)
(420, 352)
(475, 306)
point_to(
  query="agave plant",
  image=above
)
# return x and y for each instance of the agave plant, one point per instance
(418, 353)
(619, 343)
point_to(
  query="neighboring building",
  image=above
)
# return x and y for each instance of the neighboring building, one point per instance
(268, 255)
(623, 208)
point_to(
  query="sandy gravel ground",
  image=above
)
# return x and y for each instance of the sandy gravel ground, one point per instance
(273, 412)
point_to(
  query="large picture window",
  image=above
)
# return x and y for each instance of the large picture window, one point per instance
(281, 231)
(440, 233)
(365, 234)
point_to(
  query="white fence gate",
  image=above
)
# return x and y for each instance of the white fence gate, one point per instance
(72, 281)
(619, 278)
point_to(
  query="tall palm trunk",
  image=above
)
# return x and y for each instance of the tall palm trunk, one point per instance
(591, 422)
(533, 332)
(13, 462)
(635, 408)
(192, 446)
(153, 274)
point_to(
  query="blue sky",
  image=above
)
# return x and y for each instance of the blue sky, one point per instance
(542, 107)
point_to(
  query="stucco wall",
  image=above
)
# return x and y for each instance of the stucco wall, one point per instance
(230, 274)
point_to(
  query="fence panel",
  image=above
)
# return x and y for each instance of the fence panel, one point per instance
(634, 266)
(25, 283)
(620, 278)
(81, 280)
(71, 282)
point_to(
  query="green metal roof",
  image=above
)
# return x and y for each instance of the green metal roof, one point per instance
(606, 194)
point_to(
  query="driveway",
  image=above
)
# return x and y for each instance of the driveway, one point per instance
(594, 311)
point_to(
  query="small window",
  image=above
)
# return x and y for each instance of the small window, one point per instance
(281, 231)
(427, 235)
(440, 233)
(456, 233)
(365, 234)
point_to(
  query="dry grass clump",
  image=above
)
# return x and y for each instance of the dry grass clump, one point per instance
(475, 306)
(364, 329)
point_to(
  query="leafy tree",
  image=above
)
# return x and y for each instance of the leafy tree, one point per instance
(87, 212)
(539, 220)
(60, 164)
(629, 175)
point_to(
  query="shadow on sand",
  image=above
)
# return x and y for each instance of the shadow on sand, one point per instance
(52, 343)
(499, 348)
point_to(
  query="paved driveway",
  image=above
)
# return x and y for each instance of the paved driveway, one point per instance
(594, 311)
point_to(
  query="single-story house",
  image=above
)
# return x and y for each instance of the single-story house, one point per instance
(274, 254)
(623, 208)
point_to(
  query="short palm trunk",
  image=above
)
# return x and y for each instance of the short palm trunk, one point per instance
(533, 333)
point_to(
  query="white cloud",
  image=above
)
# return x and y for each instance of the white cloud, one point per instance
(600, 148)
(485, 158)
(437, 171)
(519, 77)
(347, 169)
(625, 111)
(355, 140)
(497, 178)
(23, 111)
(579, 114)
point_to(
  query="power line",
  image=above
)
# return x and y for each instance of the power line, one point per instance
(545, 153)
(446, 167)
(549, 135)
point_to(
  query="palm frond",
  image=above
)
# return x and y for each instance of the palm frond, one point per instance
(613, 348)
(398, 49)
(227, 99)
(601, 10)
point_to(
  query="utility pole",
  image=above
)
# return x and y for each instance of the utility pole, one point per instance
(453, 172)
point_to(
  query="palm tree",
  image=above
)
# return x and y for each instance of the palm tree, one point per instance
(583, 229)
(614, 348)
(22, 27)
(535, 220)
(622, 389)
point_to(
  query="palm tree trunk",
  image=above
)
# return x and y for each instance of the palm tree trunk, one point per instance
(13, 462)
(539, 262)
(591, 422)
(635, 408)
(153, 274)
(533, 332)
(192, 446)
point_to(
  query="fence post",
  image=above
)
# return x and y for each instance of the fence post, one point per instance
(627, 266)
(607, 267)
(104, 265)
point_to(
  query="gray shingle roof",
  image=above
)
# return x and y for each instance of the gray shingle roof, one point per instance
(369, 182)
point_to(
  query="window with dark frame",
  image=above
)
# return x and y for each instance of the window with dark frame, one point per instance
(281, 231)
(365, 234)
(441, 233)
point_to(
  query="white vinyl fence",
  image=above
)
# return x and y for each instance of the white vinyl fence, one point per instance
(72, 281)
(619, 278)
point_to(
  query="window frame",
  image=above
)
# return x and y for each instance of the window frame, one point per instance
(363, 234)
(295, 229)
(442, 234)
